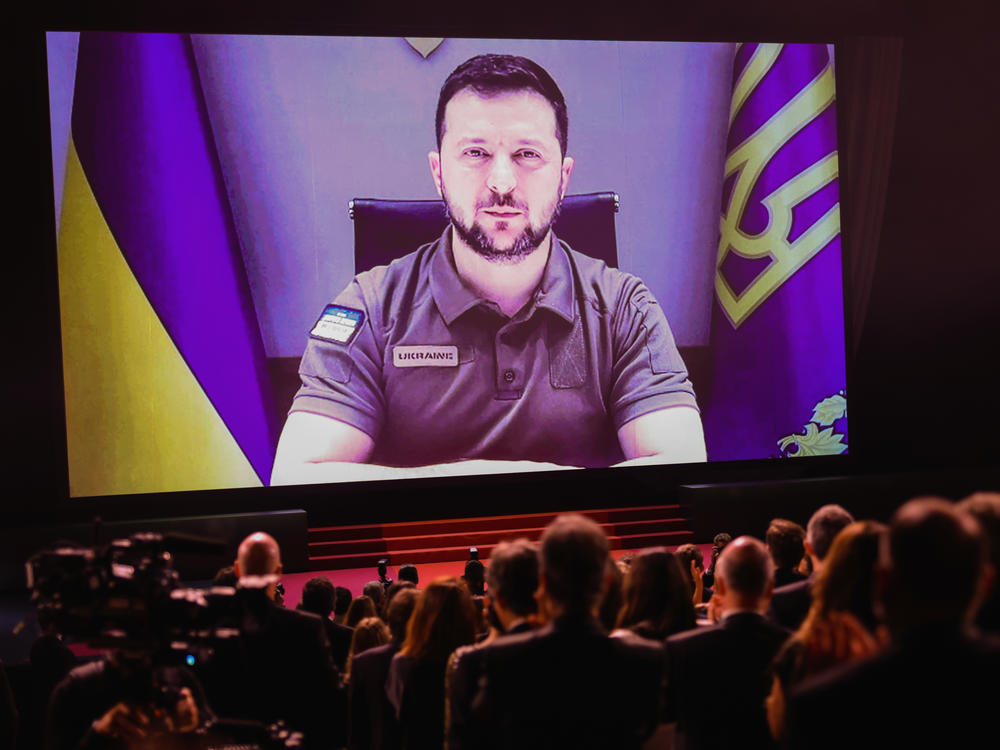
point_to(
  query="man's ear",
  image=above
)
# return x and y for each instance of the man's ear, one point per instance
(434, 158)
(567, 169)
(236, 570)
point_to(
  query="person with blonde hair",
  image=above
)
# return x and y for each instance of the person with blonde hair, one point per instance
(368, 633)
(443, 619)
(841, 622)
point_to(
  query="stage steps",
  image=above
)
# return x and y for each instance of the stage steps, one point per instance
(343, 547)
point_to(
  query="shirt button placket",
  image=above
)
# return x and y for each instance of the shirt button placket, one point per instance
(508, 377)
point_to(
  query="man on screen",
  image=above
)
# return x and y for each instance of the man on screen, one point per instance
(497, 346)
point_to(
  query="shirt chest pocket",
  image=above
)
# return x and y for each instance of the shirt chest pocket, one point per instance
(568, 361)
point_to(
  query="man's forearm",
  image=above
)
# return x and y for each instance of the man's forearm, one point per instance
(322, 472)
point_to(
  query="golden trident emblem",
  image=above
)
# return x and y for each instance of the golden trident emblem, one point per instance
(747, 161)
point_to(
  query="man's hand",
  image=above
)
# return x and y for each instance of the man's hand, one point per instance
(699, 587)
(184, 717)
(123, 721)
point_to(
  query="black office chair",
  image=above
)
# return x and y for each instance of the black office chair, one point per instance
(385, 230)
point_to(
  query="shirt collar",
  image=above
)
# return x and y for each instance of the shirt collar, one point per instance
(453, 297)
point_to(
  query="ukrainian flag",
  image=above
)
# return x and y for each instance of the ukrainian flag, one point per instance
(778, 384)
(164, 371)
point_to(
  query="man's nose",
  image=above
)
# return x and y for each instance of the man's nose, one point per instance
(501, 179)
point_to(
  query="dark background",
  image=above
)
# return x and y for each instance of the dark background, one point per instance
(919, 119)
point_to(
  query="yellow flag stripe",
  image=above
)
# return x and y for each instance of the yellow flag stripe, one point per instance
(136, 418)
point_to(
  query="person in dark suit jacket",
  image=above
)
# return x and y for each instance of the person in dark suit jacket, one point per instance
(373, 724)
(568, 684)
(319, 597)
(935, 685)
(790, 604)
(280, 667)
(720, 676)
(512, 578)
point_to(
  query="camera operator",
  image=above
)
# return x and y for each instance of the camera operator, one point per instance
(123, 701)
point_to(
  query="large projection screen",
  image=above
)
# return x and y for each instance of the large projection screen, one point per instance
(201, 192)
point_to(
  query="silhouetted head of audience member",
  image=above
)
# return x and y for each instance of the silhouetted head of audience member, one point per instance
(399, 607)
(226, 577)
(822, 529)
(408, 572)
(512, 577)
(573, 563)
(933, 567)
(475, 577)
(318, 596)
(985, 507)
(259, 557)
(443, 619)
(847, 581)
(686, 554)
(360, 608)
(341, 603)
(786, 542)
(611, 596)
(375, 591)
(744, 576)
(657, 598)
(368, 633)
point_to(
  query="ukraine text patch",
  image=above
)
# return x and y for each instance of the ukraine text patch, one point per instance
(425, 356)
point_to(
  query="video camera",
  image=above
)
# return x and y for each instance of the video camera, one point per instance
(127, 596)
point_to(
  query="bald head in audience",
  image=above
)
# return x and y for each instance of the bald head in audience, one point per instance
(259, 555)
(744, 576)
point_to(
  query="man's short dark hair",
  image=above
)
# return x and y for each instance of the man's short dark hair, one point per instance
(574, 553)
(408, 572)
(937, 554)
(343, 600)
(475, 575)
(490, 75)
(513, 575)
(318, 596)
(784, 538)
(823, 527)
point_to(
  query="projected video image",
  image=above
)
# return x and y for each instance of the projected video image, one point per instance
(559, 254)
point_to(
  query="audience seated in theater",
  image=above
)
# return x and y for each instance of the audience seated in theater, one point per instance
(512, 577)
(784, 541)
(443, 620)
(373, 720)
(985, 506)
(361, 607)
(935, 685)
(375, 591)
(719, 676)
(657, 596)
(341, 604)
(568, 684)
(841, 623)
(408, 572)
(719, 542)
(791, 603)
(369, 633)
(318, 597)
(280, 668)
(475, 577)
